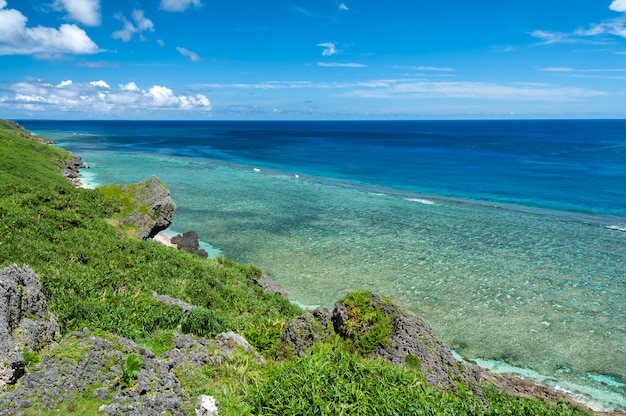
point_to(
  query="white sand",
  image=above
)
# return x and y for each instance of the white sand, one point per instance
(162, 238)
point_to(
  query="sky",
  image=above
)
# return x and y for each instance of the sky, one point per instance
(312, 59)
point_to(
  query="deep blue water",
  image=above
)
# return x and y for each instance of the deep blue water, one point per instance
(574, 165)
(509, 237)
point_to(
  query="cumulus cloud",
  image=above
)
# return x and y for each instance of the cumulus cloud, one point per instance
(131, 86)
(86, 12)
(329, 50)
(97, 97)
(342, 6)
(18, 39)
(139, 25)
(186, 52)
(101, 84)
(178, 5)
(618, 5)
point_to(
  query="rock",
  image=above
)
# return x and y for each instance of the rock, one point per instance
(186, 307)
(189, 242)
(377, 327)
(208, 407)
(303, 331)
(24, 320)
(70, 169)
(153, 207)
(412, 342)
(271, 286)
(229, 341)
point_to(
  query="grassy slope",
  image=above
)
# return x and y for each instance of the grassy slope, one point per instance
(94, 279)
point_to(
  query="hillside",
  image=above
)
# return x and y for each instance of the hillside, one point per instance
(147, 329)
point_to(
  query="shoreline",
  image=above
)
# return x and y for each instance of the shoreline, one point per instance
(531, 388)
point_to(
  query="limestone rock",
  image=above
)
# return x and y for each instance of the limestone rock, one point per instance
(413, 343)
(189, 242)
(410, 342)
(24, 320)
(271, 286)
(70, 169)
(186, 307)
(153, 207)
(208, 407)
(303, 331)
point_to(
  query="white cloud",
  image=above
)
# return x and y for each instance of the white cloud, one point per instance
(178, 5)
(330, 48)
(131, 86)
(101, 84)
(474, 90)
(340, 65)
(418, 88)
(343, 6)
(141, 24)
(86, 12)
(618, 5)
(18, 39)
(186, 52)
(96, 97)
(614, 27)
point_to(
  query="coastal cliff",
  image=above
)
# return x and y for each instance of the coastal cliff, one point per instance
(134, 327)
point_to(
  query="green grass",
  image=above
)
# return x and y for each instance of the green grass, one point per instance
(94, 279)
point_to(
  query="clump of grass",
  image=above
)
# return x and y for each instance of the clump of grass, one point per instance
(368, 326)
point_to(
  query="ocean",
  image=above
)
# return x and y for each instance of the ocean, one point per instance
(509, 237)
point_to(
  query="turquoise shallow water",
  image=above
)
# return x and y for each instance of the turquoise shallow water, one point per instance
(521, 289)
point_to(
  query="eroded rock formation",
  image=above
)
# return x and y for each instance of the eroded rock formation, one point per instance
(25, 322)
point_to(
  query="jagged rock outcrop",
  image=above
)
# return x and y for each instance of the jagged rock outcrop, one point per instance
(303, 331)
(70, 169)
(153, 207)
(385, 330)
(25, 322)
(189, 242)
(271, 286)
(85, 364)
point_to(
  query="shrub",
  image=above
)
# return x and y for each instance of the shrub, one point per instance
(202, 322)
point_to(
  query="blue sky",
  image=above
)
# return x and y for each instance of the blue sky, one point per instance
(312, 59)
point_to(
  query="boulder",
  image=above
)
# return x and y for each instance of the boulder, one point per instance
(152, 208)
(303, 331)
(24, 320)
(271, 286)
(189, 242)
(411, 342)
(376, 327)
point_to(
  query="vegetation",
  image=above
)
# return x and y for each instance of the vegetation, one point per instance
(93, 278)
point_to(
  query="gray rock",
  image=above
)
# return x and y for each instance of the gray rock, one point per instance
(414, 343)
(173, 301)
(189, 242)
(230, 341)
(70, 169)
(271, 286)
(24, 320)
(303, 331)
(155, 207)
